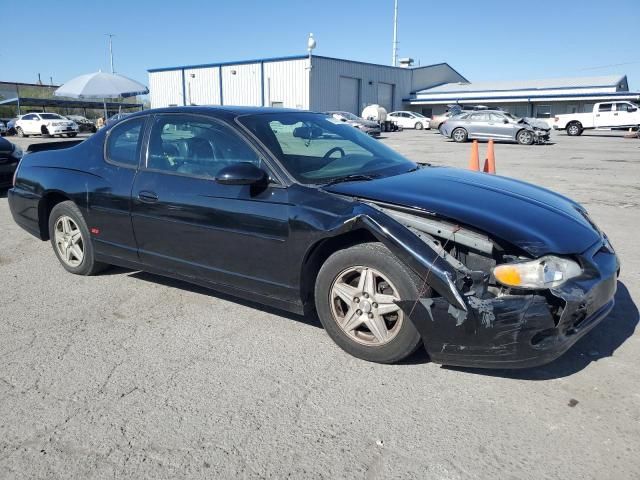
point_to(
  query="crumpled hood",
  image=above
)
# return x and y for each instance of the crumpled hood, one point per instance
(532, 218)
(536, 123)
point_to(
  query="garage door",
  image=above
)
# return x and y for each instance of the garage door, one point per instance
(350, 94)
(385, 96)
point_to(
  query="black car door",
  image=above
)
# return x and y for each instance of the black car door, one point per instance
(186, 222)
(109, 213)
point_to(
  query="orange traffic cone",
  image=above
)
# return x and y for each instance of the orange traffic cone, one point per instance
(474, 159)
(490, 162)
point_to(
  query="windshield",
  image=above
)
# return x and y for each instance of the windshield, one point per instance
(51, 116)
(347, 115)
(508, 115)
(316, 149)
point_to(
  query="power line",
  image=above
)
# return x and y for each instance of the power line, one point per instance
(609, 66)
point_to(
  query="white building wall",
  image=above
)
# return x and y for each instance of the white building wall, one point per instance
(287, 83)
(203, 88)
(165, 88)
(325, 83)
(242, 87)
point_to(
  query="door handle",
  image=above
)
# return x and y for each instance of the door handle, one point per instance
(147, 197)
(615, 114)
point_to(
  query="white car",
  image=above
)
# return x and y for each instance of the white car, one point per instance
(45, 124)
(604, 115)
(406, 119)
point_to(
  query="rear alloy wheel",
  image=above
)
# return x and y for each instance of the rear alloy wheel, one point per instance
(459, 135)
(574, 129)
(525, 137)
(357, 291)
(71, 241)
(419, 126)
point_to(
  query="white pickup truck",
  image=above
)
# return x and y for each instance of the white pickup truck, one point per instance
(604, 115)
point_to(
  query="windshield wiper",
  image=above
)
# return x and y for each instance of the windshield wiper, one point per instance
(356, 177)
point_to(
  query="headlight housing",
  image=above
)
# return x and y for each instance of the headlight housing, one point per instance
(545, 272)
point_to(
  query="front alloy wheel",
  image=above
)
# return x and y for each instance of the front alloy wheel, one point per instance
(525, 137)
(362, 303)
(360, 295)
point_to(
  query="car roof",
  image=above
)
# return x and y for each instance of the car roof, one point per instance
(220, 110)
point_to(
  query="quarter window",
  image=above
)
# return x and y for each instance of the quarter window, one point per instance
(124, 142)
(196, 146)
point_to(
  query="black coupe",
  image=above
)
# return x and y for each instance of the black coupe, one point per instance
(300, 211)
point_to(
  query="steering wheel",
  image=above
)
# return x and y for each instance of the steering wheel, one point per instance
(332, 151)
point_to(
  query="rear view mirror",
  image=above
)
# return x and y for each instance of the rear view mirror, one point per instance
(243, 173)
(307, 133)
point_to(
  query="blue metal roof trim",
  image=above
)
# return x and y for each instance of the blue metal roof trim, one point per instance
(564, 95)
(293, 57)
(227, 64)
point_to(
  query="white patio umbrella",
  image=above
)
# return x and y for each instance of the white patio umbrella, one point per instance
(101, 85)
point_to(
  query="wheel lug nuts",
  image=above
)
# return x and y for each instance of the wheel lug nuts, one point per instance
(366, 295)
(356, 300)
(375, 305)
(371, 315)
(358, 312)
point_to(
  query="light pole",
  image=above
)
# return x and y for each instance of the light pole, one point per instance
(311, 45)
(394, 60)
(111, 35)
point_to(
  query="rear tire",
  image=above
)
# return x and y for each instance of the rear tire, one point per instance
(460, 135)
(71, 240)
(71, 135)
(381, 333)
(574, 129)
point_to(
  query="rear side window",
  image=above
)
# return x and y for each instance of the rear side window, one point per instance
(124, 142)
(605, 107)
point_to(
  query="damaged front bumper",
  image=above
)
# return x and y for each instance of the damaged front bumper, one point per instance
(518, 331)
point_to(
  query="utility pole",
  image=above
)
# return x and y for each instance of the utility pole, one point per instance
(394, 60)
(110, 35)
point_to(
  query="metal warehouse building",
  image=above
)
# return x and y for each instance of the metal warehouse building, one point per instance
(317, 83)
(532, 98)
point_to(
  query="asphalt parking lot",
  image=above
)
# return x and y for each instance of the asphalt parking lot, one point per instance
(130, 375)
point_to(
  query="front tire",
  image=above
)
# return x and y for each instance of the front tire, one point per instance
(525, 137)
(71, 240)
(574, 129)
(355, 294)
(21, 133)
(459, 135)
(419, 126)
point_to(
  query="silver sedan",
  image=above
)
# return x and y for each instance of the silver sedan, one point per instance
(495, 125)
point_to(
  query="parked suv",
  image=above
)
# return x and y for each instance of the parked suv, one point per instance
(45, 124)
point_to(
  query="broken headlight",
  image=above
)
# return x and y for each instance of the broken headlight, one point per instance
(545, 272)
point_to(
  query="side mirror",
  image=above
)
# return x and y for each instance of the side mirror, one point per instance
(632, 109)
(505, 121)
(243, 173)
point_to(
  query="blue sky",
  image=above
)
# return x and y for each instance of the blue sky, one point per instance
(484, 40)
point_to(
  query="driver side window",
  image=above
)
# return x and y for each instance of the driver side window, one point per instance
(195, 146)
